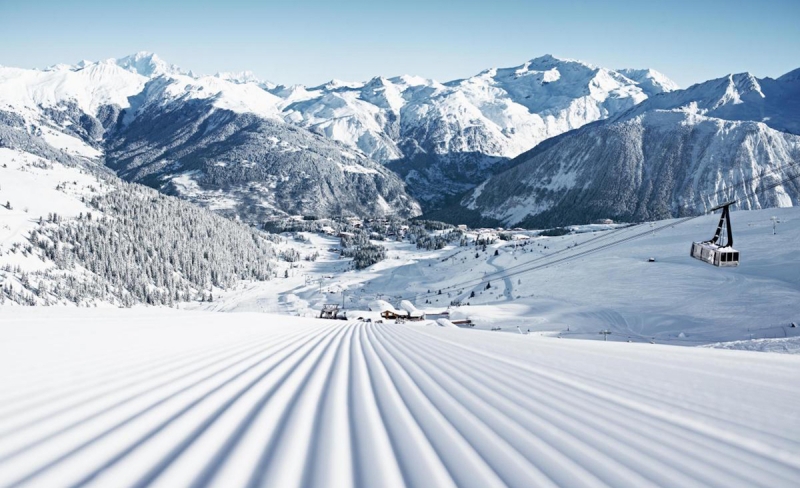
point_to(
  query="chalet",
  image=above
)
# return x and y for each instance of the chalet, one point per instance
(407, 311)
(393, 315)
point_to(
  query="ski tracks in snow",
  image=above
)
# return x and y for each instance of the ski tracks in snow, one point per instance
(363, 404)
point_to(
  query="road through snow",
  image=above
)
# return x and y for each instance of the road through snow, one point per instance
(166, 398)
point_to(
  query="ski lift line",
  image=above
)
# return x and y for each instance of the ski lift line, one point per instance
(547, 256)
(656, 229)
(504, 273)
(600, 248)
(477, 281)
(500, 274)
(615, 231)
(494, 273)
(653, 230)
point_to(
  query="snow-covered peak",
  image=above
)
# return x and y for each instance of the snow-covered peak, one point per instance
(294, 93)
(731, 89)
(384, 94)
(242, 77)
(735, 97)
(651, 81)
(60, 67)
(740, 86)
(228, 95)
(147, 64)
(89, 87)
(377, 82)
(547, 83)
(538, 71)
(496, 114)
(335, 84)
(548, 61)
(717, 96)
(411, 81)
(791, 76)
(547, 68)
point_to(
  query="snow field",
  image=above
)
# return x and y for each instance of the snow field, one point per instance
(168, 398)
(29, 184)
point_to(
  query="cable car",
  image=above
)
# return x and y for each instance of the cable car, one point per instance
(719, 249)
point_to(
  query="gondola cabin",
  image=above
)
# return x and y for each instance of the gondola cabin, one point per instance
(713, 254)
(719, 249)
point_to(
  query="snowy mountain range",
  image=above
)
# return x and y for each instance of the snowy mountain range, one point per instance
(674, 154)
(312, 149)
(549, 142)
(444, 138)
(217, 140)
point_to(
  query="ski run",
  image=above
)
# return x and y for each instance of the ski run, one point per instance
(470, 357)
(158, 397)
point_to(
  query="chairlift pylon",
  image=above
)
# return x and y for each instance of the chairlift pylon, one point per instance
(718, 250)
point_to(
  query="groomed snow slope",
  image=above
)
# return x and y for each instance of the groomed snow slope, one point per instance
(165, 398)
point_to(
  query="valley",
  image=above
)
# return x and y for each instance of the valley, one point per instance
(502, 260)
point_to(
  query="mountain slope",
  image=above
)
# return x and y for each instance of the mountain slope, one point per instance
(248, 165)
(675, 154)
(219, 140)
(72, 233)
(446, 138)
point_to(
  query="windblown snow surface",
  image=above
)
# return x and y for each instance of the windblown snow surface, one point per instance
(175, 398)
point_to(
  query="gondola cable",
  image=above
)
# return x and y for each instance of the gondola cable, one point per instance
(505, 274)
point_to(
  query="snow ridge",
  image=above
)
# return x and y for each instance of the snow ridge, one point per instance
(426, 130)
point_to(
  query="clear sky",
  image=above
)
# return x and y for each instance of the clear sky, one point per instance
(312, 41)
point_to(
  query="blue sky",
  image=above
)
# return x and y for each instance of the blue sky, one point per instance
(313, 41)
